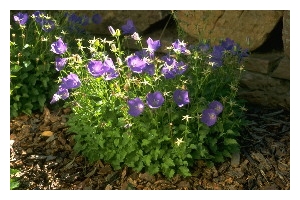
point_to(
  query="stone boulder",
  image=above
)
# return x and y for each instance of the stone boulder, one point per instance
(266, 80)
(286, 33)
(249, 28)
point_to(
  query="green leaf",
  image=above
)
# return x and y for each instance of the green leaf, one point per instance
(45, 81)
(116, 142)
(189, 156)
(17, 97)
(226, 153)
(182, 127)
(193, 146)
(170, 173)
(165, 138)
(154, 168)
(219, 157)
(184, 171)
(145, 142)
(147, 160)
(230, 141)
(14, 183)
(15, 68)
(41, 100)
(23, 76)
(229, 131)
(26, 63)
(168, 161)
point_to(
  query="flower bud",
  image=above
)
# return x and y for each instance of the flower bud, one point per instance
(112, 30)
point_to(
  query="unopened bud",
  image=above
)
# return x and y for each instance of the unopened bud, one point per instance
(119, 61)
(112, 30)
(113, 48)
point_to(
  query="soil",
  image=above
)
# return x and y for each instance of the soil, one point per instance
(41, 149)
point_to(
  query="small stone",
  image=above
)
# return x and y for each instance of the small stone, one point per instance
(147, 177)
(235, 159)
(183, 185)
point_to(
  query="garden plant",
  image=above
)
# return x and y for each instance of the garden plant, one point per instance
(150, 111)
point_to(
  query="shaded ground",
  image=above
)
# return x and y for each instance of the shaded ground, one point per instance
(42, 150)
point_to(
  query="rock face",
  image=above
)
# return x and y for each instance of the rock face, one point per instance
(266, 80)
(249, 28)
(286, 33)
(142, 19)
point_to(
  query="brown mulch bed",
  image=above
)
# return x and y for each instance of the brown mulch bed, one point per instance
(41, 149)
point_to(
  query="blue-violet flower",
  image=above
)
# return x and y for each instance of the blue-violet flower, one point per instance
(155, 100)
(136, 107)
(71, 81)
(209, 117)
(181, 97)
(60, 63)
(59, 47)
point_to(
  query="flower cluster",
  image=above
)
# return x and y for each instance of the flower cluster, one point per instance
(106, 69)
(70, 82)
(139, 62)
(32, 75)
(209, 115)
(228, 45)
(77, 23)
(146, 109)
(143, 62)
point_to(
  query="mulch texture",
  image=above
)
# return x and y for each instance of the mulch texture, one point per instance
(41, 149)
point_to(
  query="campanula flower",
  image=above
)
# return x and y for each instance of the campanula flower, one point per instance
(155, 100)
(179, 47)
(153, 45)
(21, 18)
(97, 68)
(149, 69)
(228, 44)
(136, 64)
(181, 97)
(59, 47)
(128, 28)
(71, 81)
(217, 56)
(111, 72)
(135, 36)
(38, 16)
(60, 63)
(217, 106)
(136, 107)
(209, 117)
(62, 93)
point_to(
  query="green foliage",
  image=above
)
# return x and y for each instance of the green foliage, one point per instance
(14, 182)
(167, 139)
(32, 70)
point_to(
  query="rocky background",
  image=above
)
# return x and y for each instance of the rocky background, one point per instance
(266, 33)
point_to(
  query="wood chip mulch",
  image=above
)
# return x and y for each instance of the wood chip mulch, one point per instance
(41, 149)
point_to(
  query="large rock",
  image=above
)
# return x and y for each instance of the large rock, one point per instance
(249, 28)
(266, 80)
(142, 19)
(264, 90)
(286, 33)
